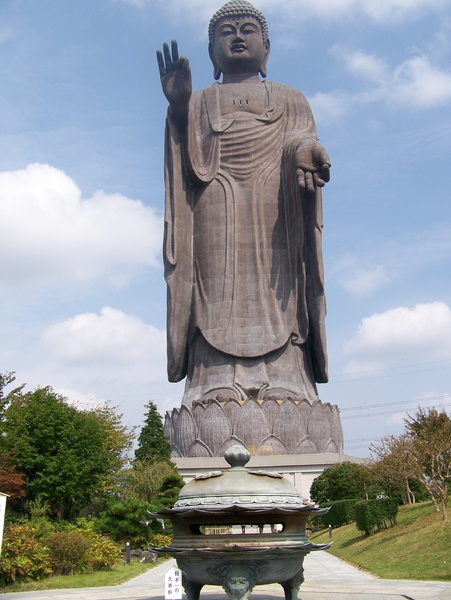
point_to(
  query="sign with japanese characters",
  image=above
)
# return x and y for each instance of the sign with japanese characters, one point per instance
(2, 516)
(173, 584)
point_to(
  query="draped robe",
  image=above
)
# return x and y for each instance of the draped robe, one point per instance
(242, 244)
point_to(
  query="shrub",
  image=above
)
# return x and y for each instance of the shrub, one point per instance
(82, 526)
(158, 540)
(67, 551)
(102, 554)
(372, 515)
(23, 557)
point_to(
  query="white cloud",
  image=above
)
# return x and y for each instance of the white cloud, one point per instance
(423, 331)
(416, 82)
(110, 337)
(392, 259)
(362, 370)
(84, 401)
(329, 107)
(396, 10)
(380, 11)
(49, 233)
(420, 84)
(367, 66)
(359, 279)
(115, 353)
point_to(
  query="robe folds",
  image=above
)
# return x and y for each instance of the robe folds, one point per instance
(242, 243)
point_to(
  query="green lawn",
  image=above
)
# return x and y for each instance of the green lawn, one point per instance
(418, 547)
(120, 573)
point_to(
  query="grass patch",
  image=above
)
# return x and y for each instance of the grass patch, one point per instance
(120, 573)
(418, 547)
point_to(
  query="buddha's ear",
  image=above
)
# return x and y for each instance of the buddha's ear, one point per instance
(216, 68)
(265, 59)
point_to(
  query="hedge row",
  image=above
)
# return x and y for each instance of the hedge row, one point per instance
(369, 515)
(373, 515)
(341, 512)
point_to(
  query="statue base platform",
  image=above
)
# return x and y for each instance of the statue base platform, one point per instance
(265, 427)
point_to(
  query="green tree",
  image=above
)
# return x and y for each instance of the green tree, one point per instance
(12, 482)
(153, 445)
(6, 379)
(68, 456)
(126, 521)
(422, 453)
(341, 482)
(430, 432)
(144, 479)
(393, 471)
(169, 489)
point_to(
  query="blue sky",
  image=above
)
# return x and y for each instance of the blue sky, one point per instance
(82, 296)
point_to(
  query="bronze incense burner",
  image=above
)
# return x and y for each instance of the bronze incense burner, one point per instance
(239, 528)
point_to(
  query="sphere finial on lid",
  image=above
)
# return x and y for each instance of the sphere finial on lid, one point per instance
(237, 456)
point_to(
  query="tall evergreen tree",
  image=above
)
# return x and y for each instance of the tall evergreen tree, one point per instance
(153, 445)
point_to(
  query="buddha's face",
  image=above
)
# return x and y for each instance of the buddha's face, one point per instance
(238, 46)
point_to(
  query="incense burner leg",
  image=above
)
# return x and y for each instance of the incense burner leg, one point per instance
(191, 588)
(291, 586)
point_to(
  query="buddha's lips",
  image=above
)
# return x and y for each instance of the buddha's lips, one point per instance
(238, 47)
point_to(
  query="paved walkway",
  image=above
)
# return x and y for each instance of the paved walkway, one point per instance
(326, 578)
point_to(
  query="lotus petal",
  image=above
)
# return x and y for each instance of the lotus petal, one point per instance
(185, 430)
(199, 449)
(336, 428)
(331, 447)
(305, 410)
(232, 409)
(336, 432)
(271, 445)
(175, 417)
(288, 427)
(252, 426)
(230, 441)
(306, 446)
(271, 408)
(176, 452)
(319, 426)
(168, 427)
(215, 427)
(198, 410)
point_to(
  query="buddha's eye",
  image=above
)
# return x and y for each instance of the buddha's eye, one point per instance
(227, 31)
(249, 28)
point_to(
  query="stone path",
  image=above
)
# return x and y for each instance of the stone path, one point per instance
(326, 578)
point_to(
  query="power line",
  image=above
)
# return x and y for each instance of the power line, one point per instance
(381, 404)
(389, 371)
(362, 440)
(387, 412)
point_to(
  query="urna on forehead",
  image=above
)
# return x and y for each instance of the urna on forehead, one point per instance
(237, 8)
